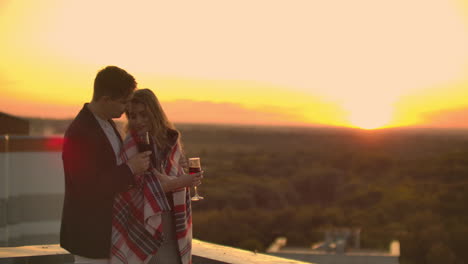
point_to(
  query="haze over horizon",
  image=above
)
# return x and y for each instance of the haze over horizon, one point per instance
(360, 64)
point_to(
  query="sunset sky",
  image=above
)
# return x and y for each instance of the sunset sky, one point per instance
(360, 63)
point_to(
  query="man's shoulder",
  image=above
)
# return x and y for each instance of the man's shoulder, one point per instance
(83, 122)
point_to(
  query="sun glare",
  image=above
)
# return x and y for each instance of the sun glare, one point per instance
(368, 115)
(366, 122)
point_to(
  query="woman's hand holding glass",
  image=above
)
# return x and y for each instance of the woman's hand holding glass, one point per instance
(194, 179)
(171, 183)
(195, 168)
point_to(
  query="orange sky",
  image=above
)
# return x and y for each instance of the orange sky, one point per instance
(362, 63)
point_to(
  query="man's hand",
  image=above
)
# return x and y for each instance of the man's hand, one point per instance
(140, 162)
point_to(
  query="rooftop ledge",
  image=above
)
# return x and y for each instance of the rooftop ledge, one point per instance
(203, 252)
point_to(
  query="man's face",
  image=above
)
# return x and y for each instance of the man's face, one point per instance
(116, 107)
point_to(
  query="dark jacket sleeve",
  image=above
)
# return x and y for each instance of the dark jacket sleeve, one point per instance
(92, 169)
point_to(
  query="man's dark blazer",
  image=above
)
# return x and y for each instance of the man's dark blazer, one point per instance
(92, 178)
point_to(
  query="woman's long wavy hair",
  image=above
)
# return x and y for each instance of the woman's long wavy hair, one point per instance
(159, 123)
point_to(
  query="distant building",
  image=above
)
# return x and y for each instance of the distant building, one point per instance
(13, 125)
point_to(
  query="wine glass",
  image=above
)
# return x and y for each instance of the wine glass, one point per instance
(195, 167)
(143, 142)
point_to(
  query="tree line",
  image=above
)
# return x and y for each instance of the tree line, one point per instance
(261, 183)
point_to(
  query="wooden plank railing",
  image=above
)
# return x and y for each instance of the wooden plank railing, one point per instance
(203, 252)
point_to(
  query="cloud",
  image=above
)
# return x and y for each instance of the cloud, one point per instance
(179, 111)
(187, 111)
(453, 118)
(26, 108)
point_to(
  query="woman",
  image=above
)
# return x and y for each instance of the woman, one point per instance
(162, 196)
(145, 114)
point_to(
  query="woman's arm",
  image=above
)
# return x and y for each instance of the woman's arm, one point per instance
(171, 183)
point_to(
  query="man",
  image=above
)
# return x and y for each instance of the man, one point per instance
(92, 174)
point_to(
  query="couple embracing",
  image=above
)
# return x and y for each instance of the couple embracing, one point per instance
(124, 205)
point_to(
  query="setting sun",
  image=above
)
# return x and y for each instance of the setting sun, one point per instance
(369, 114)
(367, 122)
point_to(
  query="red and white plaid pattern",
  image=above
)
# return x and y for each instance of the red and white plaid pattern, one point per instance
(136, 224)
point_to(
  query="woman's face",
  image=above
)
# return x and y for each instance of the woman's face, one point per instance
(138, 118)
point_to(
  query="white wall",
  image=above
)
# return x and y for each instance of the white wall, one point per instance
(31, 194)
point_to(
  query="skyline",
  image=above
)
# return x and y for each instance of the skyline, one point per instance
(361, 64)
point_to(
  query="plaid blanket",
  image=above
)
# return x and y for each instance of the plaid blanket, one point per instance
(137, 226)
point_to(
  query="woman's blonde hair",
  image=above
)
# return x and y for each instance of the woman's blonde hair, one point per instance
(160, 126)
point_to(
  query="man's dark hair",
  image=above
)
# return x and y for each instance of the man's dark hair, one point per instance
(114, 82)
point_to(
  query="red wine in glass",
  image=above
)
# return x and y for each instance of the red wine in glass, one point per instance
(195, 167)
(143, 142)
(142, 147)
(193, 170)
